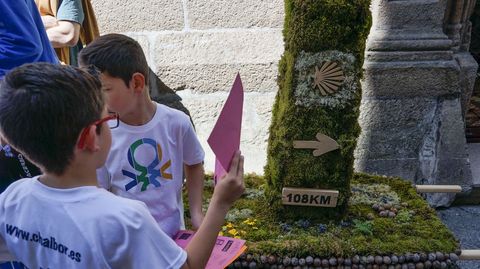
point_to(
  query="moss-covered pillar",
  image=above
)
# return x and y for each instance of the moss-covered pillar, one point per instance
(319, 92)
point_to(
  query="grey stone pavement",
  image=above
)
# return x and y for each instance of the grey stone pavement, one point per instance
(464, 220)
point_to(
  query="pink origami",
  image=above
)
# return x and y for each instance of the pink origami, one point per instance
(225, 137)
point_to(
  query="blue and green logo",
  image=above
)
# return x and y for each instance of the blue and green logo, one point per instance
(147, 174)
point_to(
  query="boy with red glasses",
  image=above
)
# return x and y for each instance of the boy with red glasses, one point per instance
(55, 115)
(153, 145)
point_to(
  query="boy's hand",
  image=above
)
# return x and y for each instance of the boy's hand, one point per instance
(231, 186)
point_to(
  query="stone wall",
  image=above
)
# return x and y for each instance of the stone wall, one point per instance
(197, 47)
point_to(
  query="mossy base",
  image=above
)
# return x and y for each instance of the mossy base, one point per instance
(415, 228)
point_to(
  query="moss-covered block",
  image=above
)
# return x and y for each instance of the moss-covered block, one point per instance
(316, 32)
(416, 231)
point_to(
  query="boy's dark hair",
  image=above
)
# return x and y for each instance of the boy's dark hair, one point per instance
(118, 55)
(43, 109)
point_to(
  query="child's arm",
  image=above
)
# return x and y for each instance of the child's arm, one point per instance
(195, 178)
(227, 191)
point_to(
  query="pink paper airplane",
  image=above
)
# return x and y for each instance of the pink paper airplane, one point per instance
(225, 137)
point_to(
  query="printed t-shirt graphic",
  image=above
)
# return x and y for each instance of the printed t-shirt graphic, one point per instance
(150, 173)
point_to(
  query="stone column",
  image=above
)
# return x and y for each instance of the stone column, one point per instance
(414, 85)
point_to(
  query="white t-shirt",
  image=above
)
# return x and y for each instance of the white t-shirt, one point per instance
(84, 227)
(146, 163)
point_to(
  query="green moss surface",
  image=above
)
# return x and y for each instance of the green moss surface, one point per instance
(313, 26)
(416, 228)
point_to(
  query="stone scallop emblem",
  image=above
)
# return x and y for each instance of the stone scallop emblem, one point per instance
(328, 78)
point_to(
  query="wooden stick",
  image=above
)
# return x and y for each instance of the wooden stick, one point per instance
(470, 254)
(439, 188)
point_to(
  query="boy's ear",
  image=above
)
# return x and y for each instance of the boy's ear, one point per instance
(138, 82)
(91, 139)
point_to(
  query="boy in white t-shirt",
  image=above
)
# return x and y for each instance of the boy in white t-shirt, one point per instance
(55, 115)
(153, 143)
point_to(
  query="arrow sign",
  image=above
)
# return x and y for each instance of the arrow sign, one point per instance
(323, 145)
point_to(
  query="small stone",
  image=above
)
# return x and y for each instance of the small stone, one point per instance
(340, 261)
(370, 216)
(394, 259)
(404, 266)
(301, 262)
(317, 262)
(409, 257)
(363, 260)
(423, 257)
(432, 257)
(411, 265)
(449, 262)
(436, 264)
(244, 264)
(370, 259)
(375, 207)
(286, 261)
(294, 261)
(419, 265)
(401, 259)
(347, 262)
(416, 257)
(391, 214)
(252, 265)
(383, 213)
(428, 264)
(443, 265)
(263, 259)
(309, 260)
(378, 260)
(332, 261)
(375, 266)
(387, 260)
(356, 259)
(453, 257)
(387, 206)
(394, 210)
(381, 208)
(458, 252)
(325, 263)
(237, 264)
(440, 256)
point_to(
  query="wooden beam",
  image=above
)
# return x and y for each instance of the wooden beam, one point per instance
(439, 188)
(470, 254)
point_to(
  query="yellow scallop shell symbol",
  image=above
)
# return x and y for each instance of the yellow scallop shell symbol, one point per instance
(328, 78)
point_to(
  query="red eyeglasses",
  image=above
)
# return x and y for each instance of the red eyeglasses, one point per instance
(112, 120)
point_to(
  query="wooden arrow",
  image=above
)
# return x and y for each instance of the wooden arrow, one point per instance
(323, 145)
